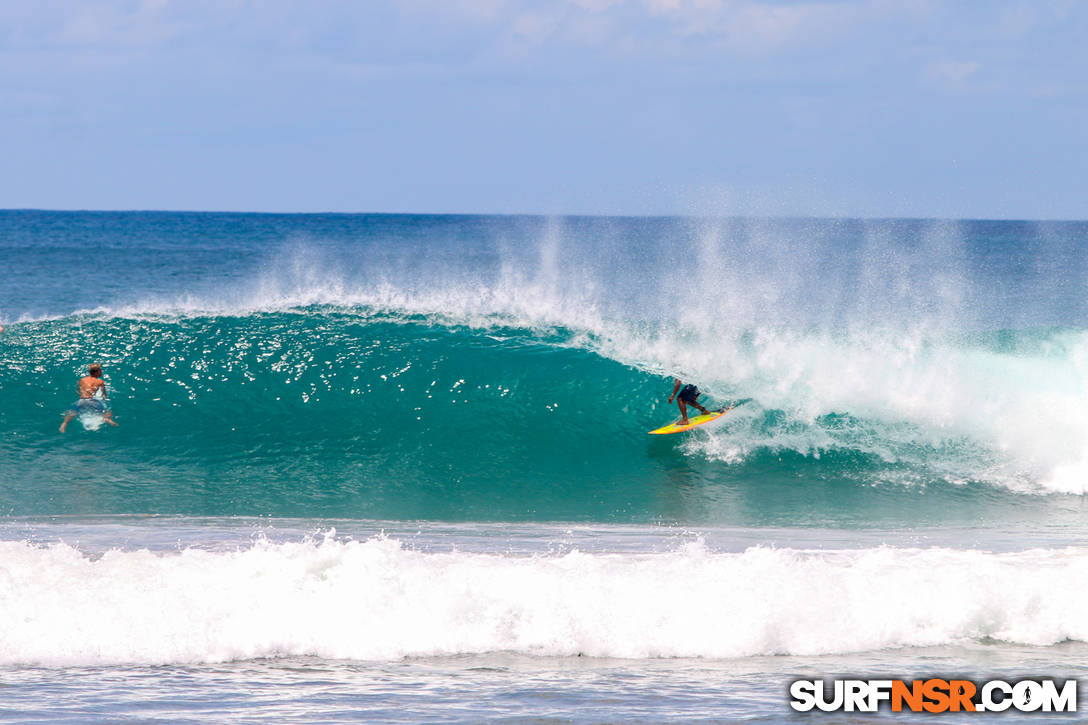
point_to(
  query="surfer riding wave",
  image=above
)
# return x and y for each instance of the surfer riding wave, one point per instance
(688, 395)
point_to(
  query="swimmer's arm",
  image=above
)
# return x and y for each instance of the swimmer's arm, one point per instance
(675, 388)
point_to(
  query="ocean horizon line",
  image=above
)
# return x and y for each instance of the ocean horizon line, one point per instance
(555, 215)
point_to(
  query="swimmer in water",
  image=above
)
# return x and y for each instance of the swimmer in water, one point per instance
(89, 387)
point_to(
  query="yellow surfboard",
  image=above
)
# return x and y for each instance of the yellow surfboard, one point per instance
(692, 422)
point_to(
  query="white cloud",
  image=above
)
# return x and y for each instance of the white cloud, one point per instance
(477, 11)
(952, 71)
(597, 6)
(535, 27)
(1016, 19)
(761, 27)
(746, 26)
(117, 24)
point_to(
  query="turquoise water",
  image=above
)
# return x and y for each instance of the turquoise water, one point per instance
(355, 413)
(361, 449)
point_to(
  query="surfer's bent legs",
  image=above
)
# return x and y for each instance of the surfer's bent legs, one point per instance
(688, 397)
(87, 403)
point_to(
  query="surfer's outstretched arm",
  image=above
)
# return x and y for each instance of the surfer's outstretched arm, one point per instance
(675, 387)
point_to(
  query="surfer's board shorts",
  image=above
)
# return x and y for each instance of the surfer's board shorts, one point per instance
(88, 405)
(689, 393)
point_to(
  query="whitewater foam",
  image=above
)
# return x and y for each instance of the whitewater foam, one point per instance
(379, 600)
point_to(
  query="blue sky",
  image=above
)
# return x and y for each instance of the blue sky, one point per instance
(938, 108)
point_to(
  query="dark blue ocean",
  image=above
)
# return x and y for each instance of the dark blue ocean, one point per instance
(396, 467)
